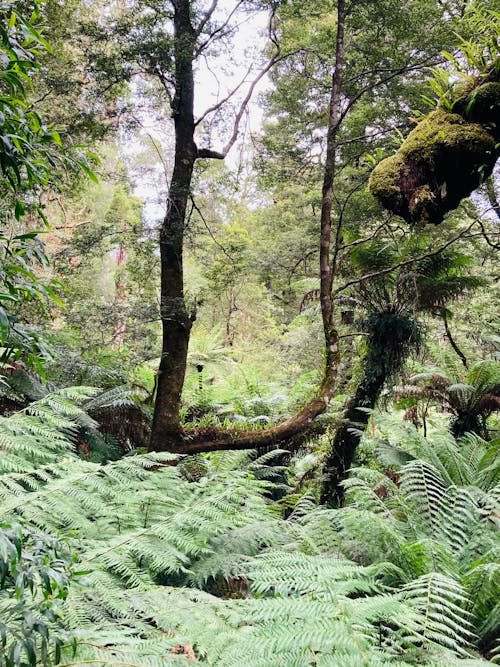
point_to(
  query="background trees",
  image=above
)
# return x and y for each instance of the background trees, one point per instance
(33, 159)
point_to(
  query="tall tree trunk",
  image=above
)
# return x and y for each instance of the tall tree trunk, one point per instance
(176, 322)
(327, 266)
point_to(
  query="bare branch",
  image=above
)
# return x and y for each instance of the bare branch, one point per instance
(210, 154)
(221, 103)
(206, 17)
(452, 341)
(218, 31)
(337, 247)
(160, 155)
(220, 155)
(495, 246)
(354, 333)
(402, 70)
(244, 105)
(353, 244)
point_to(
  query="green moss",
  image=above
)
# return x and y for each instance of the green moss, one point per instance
(442, 131)
(441, 161)
(482, 105)
(385, 178)
(447, 156)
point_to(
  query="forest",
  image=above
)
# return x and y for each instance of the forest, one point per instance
(250, 333)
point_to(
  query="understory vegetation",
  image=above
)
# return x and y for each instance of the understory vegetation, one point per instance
(249, 333)
(224, 561)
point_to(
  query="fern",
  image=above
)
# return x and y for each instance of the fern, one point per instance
(385, 581)
(441, 601)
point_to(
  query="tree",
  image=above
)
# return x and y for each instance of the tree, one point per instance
(146, 44)
(163, 43)
(392, 305)
(389, 333)
(32, 159)
(176, 329)
(190, 41)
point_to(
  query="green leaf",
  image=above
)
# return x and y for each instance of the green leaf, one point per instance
(4, 325)
(19, 210)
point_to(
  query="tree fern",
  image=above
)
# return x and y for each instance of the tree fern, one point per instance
(323, 587)
(441, 601)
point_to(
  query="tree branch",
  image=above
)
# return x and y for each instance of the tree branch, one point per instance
(408, 262)
(495, 246)
(220, 155)
(221, 103)
(196, 208)
(196, 441)
(402, 70)
(216, 32)
(244, 104)
(452, 342)
(206, 17)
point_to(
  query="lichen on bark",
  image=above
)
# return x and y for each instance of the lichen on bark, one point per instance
(443, 159)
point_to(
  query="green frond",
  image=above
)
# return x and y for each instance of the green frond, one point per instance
(483, 584)
(403, 573)
(283, 574)
(485, 376)
(442, 602)
(112, 399)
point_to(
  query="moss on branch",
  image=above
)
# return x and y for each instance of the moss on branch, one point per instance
(445, 158)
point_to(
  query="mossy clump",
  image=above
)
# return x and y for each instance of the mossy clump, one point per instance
(441, 161)
(482, 105)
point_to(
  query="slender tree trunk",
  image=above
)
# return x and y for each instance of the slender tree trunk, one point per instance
(327, 268)
(176, 322)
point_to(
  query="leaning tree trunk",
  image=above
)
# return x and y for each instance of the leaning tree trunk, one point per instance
(392, 336)
(347, 438)
(176, 322)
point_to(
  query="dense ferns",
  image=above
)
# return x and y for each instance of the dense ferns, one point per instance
(141, 562)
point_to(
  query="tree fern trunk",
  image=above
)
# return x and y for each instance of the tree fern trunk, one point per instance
(345, 443)
(392, 336)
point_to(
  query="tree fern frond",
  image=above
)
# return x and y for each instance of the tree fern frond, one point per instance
(424, 488)
(284, 574)
(111, 399)
(485, 375)
(442, 602)
(483, 585)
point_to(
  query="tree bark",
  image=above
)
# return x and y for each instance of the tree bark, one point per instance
(345, 443)
(453, 343)
(326, 266)
(196, 441)
(391, 337)
(176, 322)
